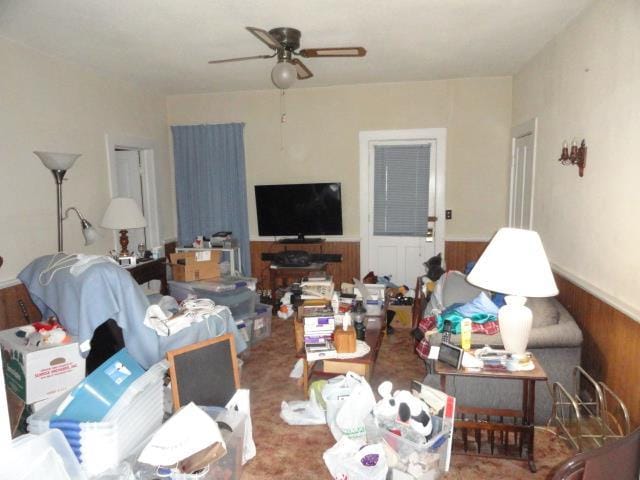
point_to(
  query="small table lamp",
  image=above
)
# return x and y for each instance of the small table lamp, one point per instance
(122, 214)
(515, 263)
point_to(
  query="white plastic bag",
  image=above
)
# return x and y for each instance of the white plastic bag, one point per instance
(349, 400)
(348, 460)
(302, 413)
(334, 393)
(355, 408)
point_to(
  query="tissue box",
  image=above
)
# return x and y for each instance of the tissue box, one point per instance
(39, 373)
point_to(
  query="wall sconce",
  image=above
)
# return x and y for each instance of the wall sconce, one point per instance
(577, 155)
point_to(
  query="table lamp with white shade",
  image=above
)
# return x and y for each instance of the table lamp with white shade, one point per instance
(123, 214)
(514, 263)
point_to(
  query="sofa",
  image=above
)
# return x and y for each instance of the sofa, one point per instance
(555, 340)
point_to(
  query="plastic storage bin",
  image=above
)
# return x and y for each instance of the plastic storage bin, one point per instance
(241, 301)
(245, 328)
(261, 323)
(104, 444)
(228, 467)
(40, 456)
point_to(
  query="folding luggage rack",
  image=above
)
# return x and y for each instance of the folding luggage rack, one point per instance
(589, 417)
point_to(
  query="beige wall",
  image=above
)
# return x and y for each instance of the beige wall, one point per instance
(586, 84)
(48, 104)
(319, 141)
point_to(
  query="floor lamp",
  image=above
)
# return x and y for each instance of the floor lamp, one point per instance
(59, 163)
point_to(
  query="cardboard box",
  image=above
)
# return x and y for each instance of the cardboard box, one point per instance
(191, 266)
(403, 317)
(39, 373)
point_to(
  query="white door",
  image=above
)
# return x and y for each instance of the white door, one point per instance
(522, 176)
(402, 201)
(129, 183)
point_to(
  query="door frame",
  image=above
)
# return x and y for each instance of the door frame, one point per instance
(439, 135)
(530, 127)
(146, 147)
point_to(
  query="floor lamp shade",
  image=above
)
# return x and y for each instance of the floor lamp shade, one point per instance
(515, 263)
(57, 161)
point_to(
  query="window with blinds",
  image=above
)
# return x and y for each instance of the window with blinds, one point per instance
(401, 190)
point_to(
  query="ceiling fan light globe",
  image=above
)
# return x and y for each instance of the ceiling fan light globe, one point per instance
(283, 75)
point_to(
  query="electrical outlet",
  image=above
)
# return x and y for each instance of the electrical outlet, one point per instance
(448, 214)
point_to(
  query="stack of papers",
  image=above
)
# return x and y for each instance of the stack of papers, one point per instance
(317, 287)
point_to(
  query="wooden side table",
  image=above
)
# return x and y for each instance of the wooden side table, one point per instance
(492, 420)
(277, 272)
(330, 368)
(148, 270)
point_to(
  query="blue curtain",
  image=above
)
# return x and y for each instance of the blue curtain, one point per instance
(211, 190)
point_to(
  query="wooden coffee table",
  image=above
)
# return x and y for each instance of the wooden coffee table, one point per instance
(493, 421)
(330, 368)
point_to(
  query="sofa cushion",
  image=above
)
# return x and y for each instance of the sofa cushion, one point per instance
(544, 310)
(457, 289)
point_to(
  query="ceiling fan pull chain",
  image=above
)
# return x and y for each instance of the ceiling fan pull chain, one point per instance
(283, 118)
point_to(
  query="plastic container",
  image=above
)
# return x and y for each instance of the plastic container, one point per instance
(245, 328)
(428, 456)
(40, 456)
(92, 398)
(229, 466)
(104, 444)
(261, 323)
(180, 290)
(241, 301)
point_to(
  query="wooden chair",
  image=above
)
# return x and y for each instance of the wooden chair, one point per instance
(618, 459)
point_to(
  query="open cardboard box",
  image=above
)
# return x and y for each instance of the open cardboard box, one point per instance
(192, 266)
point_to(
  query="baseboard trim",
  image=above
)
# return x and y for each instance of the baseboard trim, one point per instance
(619, 305)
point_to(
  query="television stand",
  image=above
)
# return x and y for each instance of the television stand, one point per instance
(300, 240)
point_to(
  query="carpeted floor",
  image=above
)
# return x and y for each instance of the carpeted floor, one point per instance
(288, 452)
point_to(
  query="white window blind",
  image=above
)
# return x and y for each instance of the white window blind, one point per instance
(401, 190)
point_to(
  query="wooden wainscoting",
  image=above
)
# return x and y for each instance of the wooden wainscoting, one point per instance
(457, 254)
(344, 271)
(611, 343)
(10, 311)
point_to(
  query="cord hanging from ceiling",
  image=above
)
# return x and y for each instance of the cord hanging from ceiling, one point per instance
(283, 117)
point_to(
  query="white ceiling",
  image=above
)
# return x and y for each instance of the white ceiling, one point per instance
(165, 44)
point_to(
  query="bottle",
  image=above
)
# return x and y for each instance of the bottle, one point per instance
(465, 334)
(358, 314)
(335, 303)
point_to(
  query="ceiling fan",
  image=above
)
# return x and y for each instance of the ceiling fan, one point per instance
(285, 41)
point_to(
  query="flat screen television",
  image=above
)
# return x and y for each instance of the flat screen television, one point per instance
(299, 209)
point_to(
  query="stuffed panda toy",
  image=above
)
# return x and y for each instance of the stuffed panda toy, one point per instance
(402, 407)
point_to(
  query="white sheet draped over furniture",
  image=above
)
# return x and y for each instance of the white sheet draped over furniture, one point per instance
(107, 291)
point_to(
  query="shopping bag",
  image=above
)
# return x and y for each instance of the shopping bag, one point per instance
(334, 393)
(348, 460)
(349, 399)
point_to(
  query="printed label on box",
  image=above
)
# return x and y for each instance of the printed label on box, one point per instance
(203, 256)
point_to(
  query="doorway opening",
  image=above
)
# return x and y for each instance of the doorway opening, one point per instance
(132, 174)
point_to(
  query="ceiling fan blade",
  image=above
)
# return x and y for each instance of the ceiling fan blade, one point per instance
(265, 37)
(301, 69)
(334, 52)
(239, 59)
